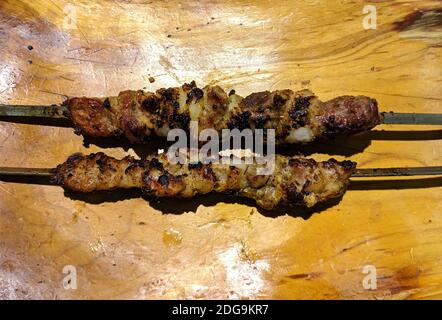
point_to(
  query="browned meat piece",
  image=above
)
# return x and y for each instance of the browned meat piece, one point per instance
(345, 114)
(297, 117)
(294, 181)
(93, 118)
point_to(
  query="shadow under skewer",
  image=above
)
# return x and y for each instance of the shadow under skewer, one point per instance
(179, 206)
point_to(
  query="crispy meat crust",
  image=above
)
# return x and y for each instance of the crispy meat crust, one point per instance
(139, 114)
(294, 181)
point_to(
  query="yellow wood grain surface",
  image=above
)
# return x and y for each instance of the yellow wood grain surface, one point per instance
(212, 247)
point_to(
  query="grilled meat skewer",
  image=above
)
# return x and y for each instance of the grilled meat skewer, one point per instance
(297, 117)
(294, 181)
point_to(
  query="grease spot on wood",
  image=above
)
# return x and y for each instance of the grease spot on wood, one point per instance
(407, 278)
(172, 237)
(420, 19)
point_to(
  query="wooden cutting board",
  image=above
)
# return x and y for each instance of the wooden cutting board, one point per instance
(214, 247)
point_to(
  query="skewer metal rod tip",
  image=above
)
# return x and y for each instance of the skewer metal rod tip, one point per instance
(26, 172)
(412, 118)
(55, 111)
(394, 172)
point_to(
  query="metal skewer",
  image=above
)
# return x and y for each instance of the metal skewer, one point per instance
(55, 111)
(377, 172)
(394, 172)
(60, 111)
(25, 172)
(411, 118)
